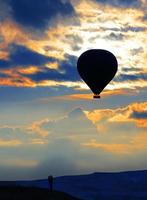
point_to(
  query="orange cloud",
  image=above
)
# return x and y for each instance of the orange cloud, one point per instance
(112, 148)
(89, 96)
(17, 82)
(35, 127)
(4, 55)
(127, 115)
(11, 32)
(10, 143)
(38, 141)
(28, 70)
(53, 65)
(142, 123)
(16, 79)
(123, 114)
(137, 143)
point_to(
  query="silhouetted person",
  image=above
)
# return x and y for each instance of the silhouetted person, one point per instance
(50, 181)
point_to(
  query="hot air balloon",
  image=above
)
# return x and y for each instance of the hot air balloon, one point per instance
(97, 67)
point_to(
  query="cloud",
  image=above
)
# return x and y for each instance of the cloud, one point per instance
(41, 132)
(137, 51)
(115, 36)
(122, 130)
(88, 96)
(75, 123)
(135, 112)
(37, 68)
(66, 71)
(22, 163)
(53, 55)
(75, 41)
(10, 143)
(4, 63)
(132, 69)
(136, 144)
(75, 139)
(36, 127)
(59, 144)
(61, 40)
(21, 136)
(39, 14)
(125, 29)
(22, 56)
(120, 3)
(131, 77)
(4, 10)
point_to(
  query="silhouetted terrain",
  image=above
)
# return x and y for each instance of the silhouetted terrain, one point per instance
(26, 193)
(97, 186)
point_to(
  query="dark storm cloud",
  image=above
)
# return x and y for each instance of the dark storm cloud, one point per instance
(126, 29)
(38, 13)
(4, 10)
(22, 56)
(131, 77)
(74, 38)
(4, 63)
(66, 72)
(133, 29)
(75, 41)
(115, 36)
(121, 3)
(126, 69)
(137, 51)
(145, 17)
(4, 75)
(139, 115)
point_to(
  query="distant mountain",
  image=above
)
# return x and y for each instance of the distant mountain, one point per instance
(98, 186)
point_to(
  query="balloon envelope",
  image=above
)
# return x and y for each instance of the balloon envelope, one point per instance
(97, 67)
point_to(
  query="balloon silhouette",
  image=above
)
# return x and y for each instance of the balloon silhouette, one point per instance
(97, 67)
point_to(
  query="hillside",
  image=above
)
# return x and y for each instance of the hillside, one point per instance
(97, 186)
(26, 193)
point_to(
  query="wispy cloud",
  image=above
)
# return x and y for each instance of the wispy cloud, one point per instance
(135, 144)
(10, 143)
(89, 96)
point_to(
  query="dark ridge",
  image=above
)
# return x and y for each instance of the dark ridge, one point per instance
(31, 193)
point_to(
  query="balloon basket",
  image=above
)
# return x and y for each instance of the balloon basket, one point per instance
(96, 96)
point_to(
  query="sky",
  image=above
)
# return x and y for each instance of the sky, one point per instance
(49, 122)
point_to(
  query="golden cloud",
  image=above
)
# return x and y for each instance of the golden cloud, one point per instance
(10, 143)
(35, 127)
(123, 114)
(4, 55)
(17, 82)
(89, 96)
(136, 144)
(28, 70)
(38, 141)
